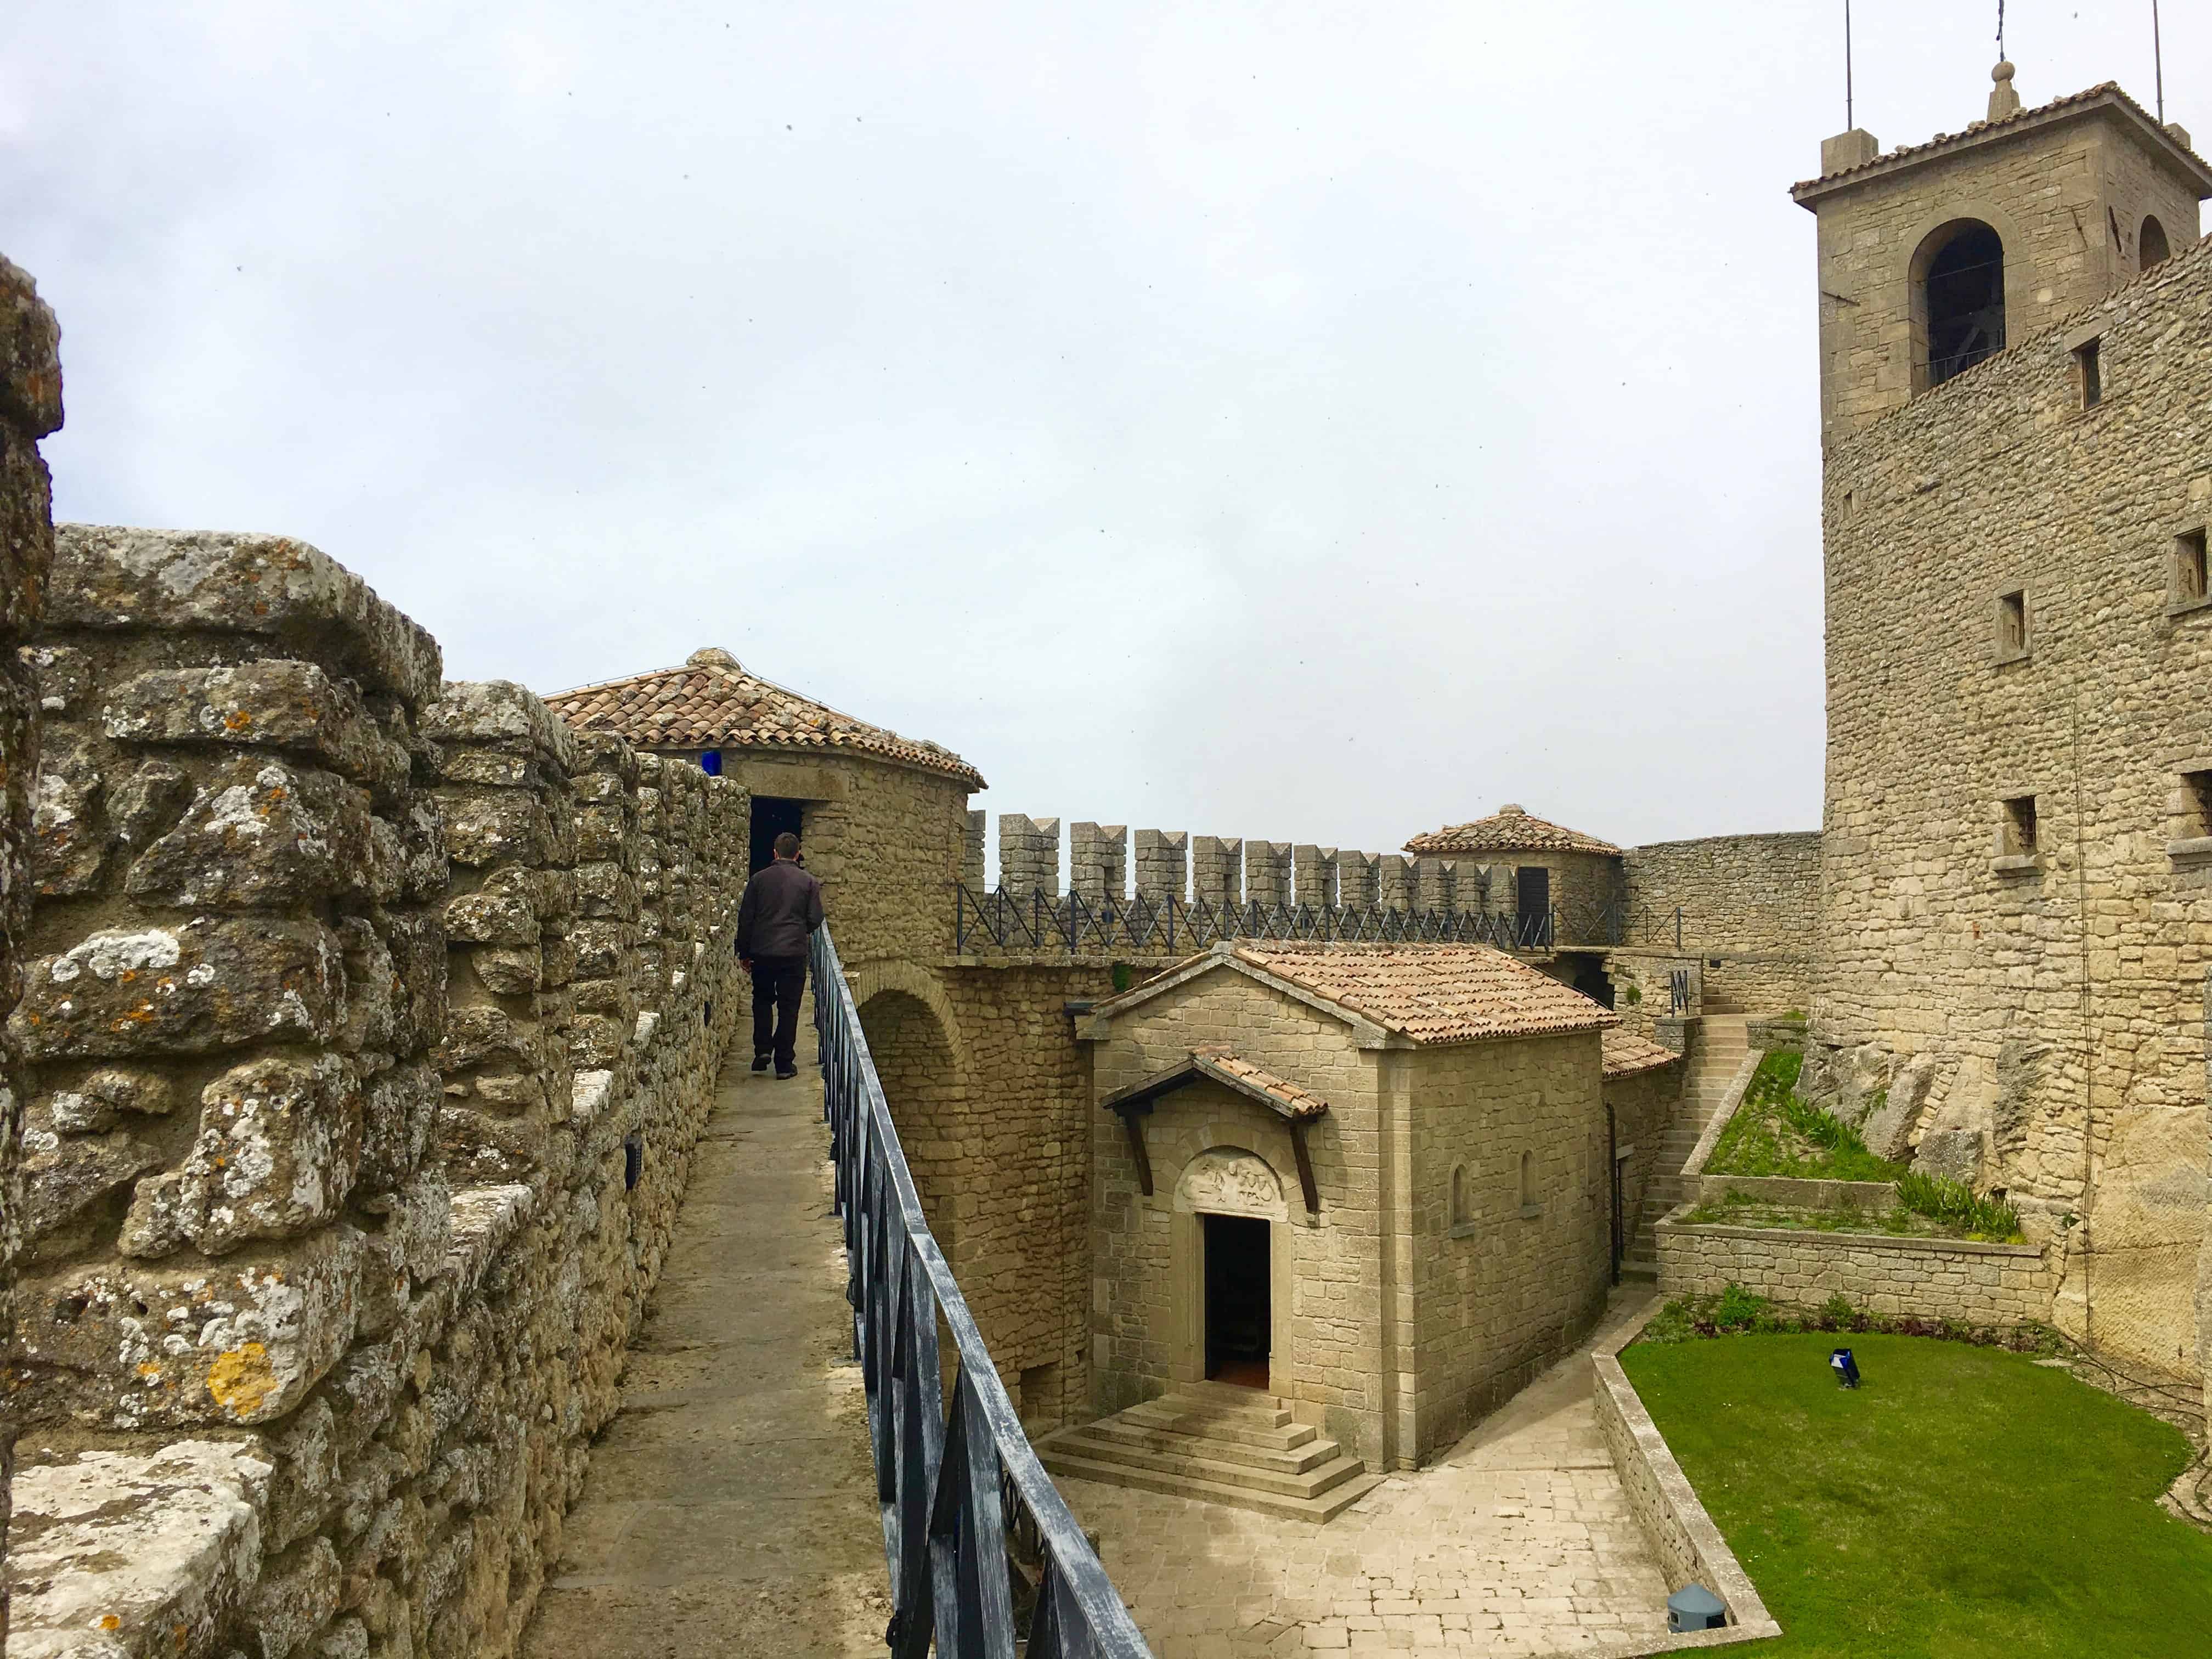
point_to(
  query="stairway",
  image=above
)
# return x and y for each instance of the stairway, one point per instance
(1220, 1443)
(1720, 1054)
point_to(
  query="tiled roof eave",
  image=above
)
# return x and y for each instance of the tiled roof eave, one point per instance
(2074, 107)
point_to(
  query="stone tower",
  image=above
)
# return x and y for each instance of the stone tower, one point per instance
(1934, 256)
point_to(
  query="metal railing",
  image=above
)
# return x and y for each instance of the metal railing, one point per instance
(999, 921)
(983, 1551)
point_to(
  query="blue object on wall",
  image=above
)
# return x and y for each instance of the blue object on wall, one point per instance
(710, 762)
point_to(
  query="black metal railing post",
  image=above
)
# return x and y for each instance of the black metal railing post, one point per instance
(965, 1503)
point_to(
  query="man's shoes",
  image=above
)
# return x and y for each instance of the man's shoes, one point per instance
(760, 1062)
(780, 1073)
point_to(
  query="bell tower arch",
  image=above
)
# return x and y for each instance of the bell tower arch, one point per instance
(1936, 256)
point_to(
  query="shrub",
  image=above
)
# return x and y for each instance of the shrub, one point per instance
(1956, 1205)
(1738, 1309)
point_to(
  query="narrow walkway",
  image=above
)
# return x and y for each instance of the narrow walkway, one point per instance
(1518, 1540)
(731, 1507)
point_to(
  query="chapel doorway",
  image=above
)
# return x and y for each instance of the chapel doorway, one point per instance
(1238, 1313)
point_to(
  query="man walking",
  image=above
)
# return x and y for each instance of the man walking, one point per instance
(781, 905)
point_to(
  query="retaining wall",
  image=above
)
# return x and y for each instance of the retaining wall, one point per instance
(371, 1020)
(1928, 1277)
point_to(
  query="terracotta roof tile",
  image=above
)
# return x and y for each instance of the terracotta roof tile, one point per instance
(1627, 1054)
(711, 702)
(1434, 994)
(1509, 829)
(1976, 129)
(1217, 1062)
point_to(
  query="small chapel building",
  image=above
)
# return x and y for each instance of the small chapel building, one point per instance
(1372, 1182)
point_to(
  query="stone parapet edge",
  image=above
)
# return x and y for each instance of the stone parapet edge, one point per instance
(1809, 1193)
(1723, 1112)
(1690, 1547)
(1911, 1243)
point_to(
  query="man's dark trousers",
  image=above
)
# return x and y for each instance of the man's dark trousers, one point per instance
(778, 984)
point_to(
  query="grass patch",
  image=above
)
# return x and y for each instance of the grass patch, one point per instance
(1775, 1133)
(1963, 1503)
(1953, 1203)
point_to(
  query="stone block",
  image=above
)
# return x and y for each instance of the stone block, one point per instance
(292, 707)
(136, 1346)
(491, 918)
(68, 825)
(96, 1100)
(30, 356)
(278, 1148)
(1888, 1128)
(1951, 1155)
(207, 985)
(136, 1552)
(261, 834)
(64, 1176)
(501, 716)
(496, 826)
(212, 581)
(399, 1112)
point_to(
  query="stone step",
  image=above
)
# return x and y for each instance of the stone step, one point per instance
(1159, 1418)
(1327, 1507)
(1196, 1460)
(1307, 1451)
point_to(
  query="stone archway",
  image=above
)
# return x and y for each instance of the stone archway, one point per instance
(912, 1046)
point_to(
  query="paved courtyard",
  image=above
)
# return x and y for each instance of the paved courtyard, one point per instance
(1516, 1542)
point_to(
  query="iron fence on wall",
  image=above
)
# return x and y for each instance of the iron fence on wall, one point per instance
(983, 1551)
(999, 921)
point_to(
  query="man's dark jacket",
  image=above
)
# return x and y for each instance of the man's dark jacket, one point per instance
(781, 905)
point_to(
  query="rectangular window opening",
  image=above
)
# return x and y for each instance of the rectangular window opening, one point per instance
(2190, 586)
(2086, 376)
(2019, 827)
(2196, 805)
(2012, 624)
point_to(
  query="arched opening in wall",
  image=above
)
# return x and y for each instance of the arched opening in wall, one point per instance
(2151, 247)
(1462, 1211)
(1958, 300)
(1528, 1183)
(914, 1059)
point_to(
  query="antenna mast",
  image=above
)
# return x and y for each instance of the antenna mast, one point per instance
(2158, 58)
(1849, 122)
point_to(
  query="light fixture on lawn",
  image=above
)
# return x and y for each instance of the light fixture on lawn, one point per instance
(1845, 1368)
(1695, 1607)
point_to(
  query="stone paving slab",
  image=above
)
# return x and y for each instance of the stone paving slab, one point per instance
(1518, 1540)
(731, 1506)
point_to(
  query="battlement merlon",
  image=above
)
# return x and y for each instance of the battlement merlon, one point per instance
(1267, 874)
(1029, 856)
(1163, 864)
(1314, 876)
(1217, 871)
(1098, 861)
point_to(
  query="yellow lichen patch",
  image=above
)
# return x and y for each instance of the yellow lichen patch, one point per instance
(147, 1368)
(109, 1621)
(242, 1379)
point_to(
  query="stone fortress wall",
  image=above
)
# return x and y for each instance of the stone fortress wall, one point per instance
(2016, 916)
(369, 1021)
(30, 409)
(1750, 906)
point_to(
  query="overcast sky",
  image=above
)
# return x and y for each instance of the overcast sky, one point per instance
(1315, 424)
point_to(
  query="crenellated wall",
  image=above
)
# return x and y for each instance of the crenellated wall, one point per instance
(30, 409)
(370, 1022)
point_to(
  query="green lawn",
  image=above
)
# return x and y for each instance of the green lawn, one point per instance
(1964, 1502)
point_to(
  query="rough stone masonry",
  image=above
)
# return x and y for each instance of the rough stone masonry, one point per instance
(369, 1022)
(30, 408)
